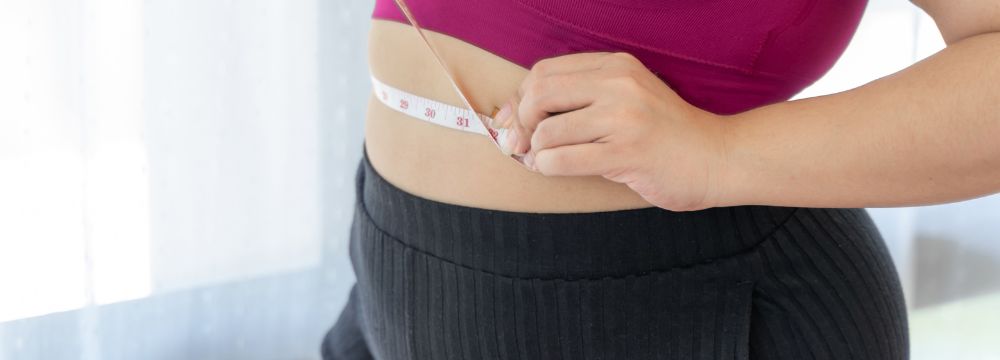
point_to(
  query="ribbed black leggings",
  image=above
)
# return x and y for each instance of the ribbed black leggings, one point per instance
(443, 281)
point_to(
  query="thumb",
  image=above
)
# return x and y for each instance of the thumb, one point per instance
(518, 140)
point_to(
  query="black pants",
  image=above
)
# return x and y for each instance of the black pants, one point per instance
(443, 281)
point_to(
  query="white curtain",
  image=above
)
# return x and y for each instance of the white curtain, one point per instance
(174, 168)
(155, 145)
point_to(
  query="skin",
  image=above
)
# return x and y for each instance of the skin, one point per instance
(622, 139)
(458, 167)
(928, 134)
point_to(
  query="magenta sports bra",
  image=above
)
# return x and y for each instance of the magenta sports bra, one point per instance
(724, 56)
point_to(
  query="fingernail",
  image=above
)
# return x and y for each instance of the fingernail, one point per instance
(491, 120)
(502, 114)
(510, 141)
(530, 160)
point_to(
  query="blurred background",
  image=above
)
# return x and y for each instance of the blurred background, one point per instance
(176, 180)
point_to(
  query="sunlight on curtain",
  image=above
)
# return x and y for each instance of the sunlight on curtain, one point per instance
(97, 92)
(160, 185)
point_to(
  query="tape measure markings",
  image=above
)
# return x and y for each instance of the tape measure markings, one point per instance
(432, 111)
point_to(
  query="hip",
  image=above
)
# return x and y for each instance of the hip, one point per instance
(440, 280)
(592, 244)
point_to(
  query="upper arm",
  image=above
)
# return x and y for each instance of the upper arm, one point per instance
(959, 19)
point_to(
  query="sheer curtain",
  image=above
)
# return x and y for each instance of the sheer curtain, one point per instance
(175, 176)
(176, 180)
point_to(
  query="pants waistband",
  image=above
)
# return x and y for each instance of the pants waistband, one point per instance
(562, 245)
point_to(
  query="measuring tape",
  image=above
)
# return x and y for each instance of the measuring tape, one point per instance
(432, 111)
(440, 113)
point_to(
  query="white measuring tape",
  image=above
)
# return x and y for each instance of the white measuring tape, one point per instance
(431, 111)
(426, 109)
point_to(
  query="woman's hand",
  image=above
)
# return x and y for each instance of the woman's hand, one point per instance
(606, 114)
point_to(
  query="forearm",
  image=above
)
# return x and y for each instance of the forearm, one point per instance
(927, 134)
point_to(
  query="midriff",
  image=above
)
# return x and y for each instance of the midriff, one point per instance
(456, 167)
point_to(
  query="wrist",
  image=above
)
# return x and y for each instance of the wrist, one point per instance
(733, 183)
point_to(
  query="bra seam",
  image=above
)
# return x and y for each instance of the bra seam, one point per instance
(774, 33)
(577, 27)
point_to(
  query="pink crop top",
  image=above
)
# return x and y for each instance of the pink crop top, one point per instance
(724, 56)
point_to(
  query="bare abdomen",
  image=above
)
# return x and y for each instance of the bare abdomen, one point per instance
(455, 167)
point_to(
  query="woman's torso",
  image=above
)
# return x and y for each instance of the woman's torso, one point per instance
(457, 167)
(797, 43)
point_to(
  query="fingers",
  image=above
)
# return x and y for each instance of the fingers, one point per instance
(557, 85)
(550, 95)
(575, 127)
(513, 144)
(566, 64)
(574, 160)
